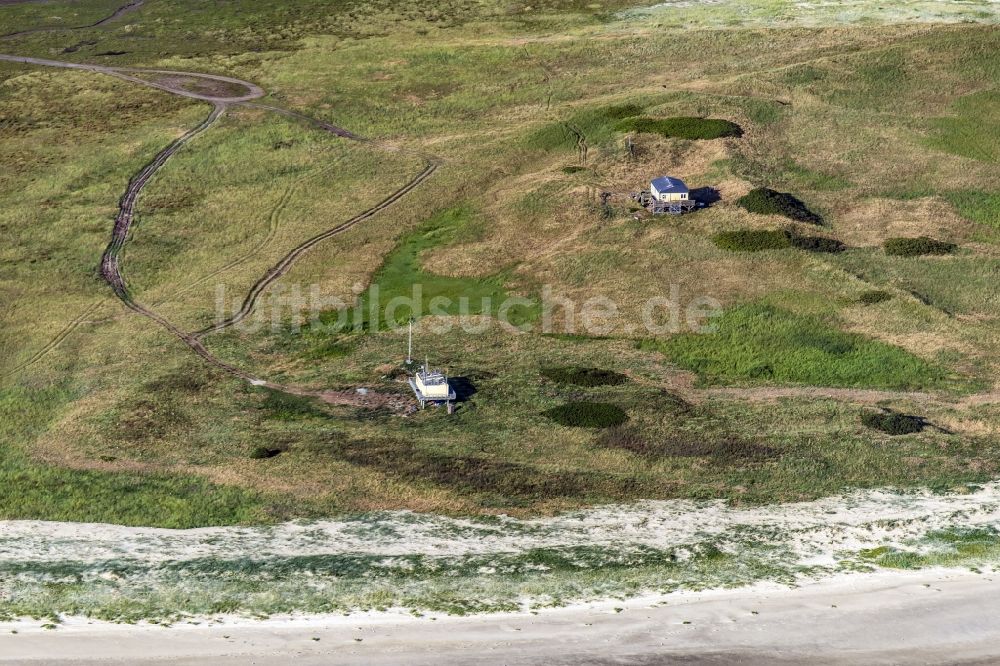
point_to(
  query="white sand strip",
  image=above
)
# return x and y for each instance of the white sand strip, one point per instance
(925, 617)
(814, 530)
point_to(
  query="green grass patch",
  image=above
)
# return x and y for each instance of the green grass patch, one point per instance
(765, 201)
(596, 126)
(682, 127)
(964, 284)
(977, 206)
(917, 247)
(799, 176)
(283, 406)
(404, 275)
(584, 376)
(587, 414)
(33, 490)
(761, 344)
(959, 546)
(966, 132)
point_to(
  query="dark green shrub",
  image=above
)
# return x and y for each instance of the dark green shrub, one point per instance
(915, 247)
(756, 240)
(753, 240)
(874, 296)
(586, 414)
(766, 201)
(622, 111)
(573, 169)
(584, 376)
(262, 453)
(817, 244)
(682, 127)
(893, 423)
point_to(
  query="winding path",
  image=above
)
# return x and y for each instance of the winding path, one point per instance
(118, 13)
(110, 267)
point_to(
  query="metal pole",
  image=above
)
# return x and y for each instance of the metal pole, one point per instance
(409, 346)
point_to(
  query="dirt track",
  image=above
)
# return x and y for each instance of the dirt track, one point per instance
(118, 13)
(110, 264)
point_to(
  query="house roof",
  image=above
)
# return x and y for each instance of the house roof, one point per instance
(668, 184)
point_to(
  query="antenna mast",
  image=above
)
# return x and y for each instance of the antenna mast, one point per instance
(409, 346)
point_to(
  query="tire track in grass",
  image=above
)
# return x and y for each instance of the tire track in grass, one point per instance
(286, 263)
(273, 224)
(57, 340)
(110, 267)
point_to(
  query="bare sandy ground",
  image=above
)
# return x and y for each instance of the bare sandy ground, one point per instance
(923, 617)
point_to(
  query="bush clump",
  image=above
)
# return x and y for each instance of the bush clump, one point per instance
(765, 201)
(622, 111)
(262, 453)
(682, 127)
(756, 240)
(586, 414)
(893, 423)
(817, 244)
(874, 296)
(584, 376)
(753, 240)
(915, 247)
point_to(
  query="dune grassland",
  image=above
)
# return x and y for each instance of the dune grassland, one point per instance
(880, 120)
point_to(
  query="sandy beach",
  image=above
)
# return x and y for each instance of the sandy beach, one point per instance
(921, 617)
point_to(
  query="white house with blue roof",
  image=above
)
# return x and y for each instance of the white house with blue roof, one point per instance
(667, 188)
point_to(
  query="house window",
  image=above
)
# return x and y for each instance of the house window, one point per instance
(684, 196)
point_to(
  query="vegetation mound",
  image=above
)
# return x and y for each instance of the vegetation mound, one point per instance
(874, 296)
(765, 201)
(816, 243)
(621, 111)
(682, 127)
(752, 240)
(757, 240)
(893, 423)
(584, 376)
(915, 247)
(586, 414)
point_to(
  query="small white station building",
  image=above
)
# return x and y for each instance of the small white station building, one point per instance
(432, 386)
(668, 188)
(666, 194)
